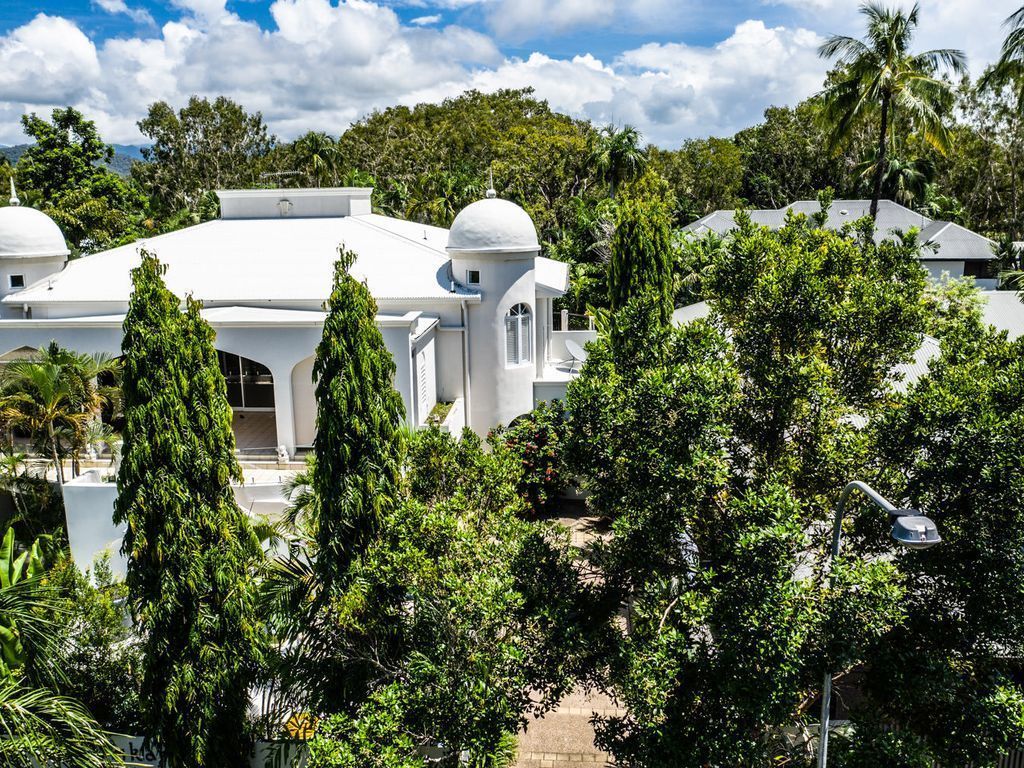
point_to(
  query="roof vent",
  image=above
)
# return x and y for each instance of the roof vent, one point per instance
(284, 205)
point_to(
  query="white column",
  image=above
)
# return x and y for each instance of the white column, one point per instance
(284, 408)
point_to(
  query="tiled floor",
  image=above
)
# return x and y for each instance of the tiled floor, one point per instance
(255, 431)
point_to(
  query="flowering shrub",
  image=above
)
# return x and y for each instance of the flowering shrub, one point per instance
(536, 440)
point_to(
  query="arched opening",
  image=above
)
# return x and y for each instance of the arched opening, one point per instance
(250, 389)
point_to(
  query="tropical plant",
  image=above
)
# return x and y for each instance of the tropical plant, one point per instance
(881, 79)
(57, 396)
(714, 451)
(1010, 67)
(466, 612)
(617, 156)
(316, 156)
(102, 652)
(359, 416)
(37, 725)
(189, 546)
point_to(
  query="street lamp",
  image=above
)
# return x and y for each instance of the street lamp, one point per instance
(911, 529)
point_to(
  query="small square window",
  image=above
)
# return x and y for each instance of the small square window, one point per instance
(473, 276)
(17, 281)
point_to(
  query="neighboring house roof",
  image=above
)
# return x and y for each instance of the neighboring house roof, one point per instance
(951, 241)
(261, 260)
(691, 312)
(1004, 310)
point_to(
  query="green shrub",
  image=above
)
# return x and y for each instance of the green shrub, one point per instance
(536, 439)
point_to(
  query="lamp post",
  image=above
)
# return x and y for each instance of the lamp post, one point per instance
(911, 529)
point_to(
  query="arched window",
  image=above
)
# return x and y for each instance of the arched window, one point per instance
(518, 338)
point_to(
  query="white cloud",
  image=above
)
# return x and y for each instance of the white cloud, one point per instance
(325, 63)
(47, 60)
(425, 21)
(138, 15)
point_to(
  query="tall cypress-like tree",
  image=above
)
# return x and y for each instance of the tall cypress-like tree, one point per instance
(641, 263)
(359, 418)
(189, 546)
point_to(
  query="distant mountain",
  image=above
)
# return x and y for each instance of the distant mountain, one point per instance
(124, 156)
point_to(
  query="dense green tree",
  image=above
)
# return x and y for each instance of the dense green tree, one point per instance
(65, 168)
(66, 153)
(642, 256)
(783, 159)
(985, 174)
(716, 451)
(880, 77)
(469, 611)
(705, 175)
(102, 655)
(948, 676)
(359, 419)
(204, 146)
(432, 160)
(189, 545)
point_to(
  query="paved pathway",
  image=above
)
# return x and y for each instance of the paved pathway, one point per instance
(565, 737)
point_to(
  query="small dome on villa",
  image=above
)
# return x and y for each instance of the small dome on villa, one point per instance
(493, 225)
(28, 233)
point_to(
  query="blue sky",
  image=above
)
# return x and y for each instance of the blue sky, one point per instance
(674, 68)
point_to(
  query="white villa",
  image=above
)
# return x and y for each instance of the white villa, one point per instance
(466, 313)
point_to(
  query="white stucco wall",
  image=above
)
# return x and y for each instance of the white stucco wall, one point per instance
(89, 509)
(499, 392)
(448, 363)
(31, 270)
(937, 267)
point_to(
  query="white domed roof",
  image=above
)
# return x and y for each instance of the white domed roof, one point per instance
(26, 233)
(493, 225)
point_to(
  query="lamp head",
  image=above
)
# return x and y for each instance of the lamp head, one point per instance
(913, 530)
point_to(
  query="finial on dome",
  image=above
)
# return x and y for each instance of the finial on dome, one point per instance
(491, 193)
(14, 194)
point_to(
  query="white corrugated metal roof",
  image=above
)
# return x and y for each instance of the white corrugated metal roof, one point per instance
(257, 260)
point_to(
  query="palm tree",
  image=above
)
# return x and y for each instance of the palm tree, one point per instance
(904, 179)
(617, 156)
(881, 73)
(317, 156)
(38, 726)
(55, 396)
(1010, 66)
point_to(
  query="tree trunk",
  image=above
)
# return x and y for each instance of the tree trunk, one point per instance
(880, 161)
(56, 459)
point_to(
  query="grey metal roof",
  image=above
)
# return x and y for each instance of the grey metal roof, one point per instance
(957, 243)
(1004, 310)
(952, 242)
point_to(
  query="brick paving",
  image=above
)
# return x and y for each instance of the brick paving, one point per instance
(564, 736)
